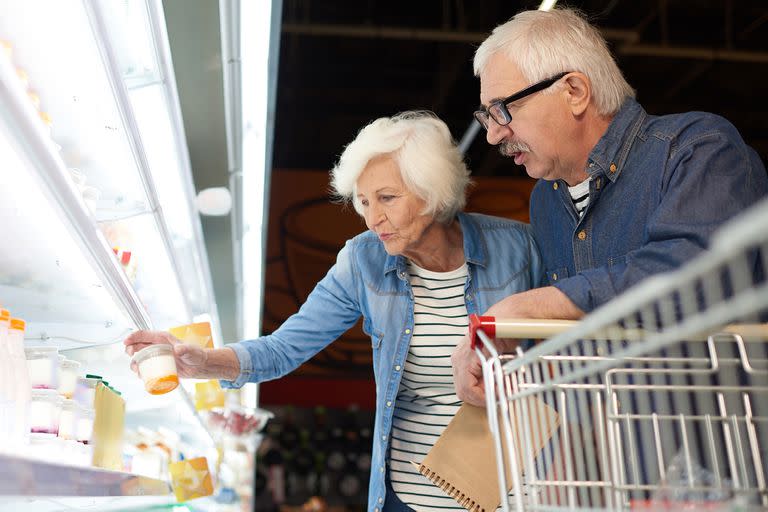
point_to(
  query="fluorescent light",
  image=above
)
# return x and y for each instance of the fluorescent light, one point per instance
(547, 5)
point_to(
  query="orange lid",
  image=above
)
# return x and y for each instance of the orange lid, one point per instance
(5, 314)
(18, 323)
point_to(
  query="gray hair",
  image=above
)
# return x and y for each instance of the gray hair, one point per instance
(430, 163)
(545, 43)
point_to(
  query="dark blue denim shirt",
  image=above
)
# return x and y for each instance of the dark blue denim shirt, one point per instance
(659, 186)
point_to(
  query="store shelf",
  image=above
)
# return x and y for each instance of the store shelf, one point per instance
(109, 170)
(29, 477)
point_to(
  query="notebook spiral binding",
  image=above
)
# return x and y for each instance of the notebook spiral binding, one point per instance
(465, 501)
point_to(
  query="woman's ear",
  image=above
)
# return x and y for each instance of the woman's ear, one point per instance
(578, 90)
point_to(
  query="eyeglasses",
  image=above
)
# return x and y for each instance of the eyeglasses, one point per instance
(498, 109)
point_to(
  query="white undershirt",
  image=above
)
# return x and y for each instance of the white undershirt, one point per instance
(580, 196)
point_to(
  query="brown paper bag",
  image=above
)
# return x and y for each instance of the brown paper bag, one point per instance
(463, 460)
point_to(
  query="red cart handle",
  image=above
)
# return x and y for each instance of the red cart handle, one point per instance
(486, 323)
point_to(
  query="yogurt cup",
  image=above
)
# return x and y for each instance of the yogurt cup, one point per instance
(157, 368)
(43, 366)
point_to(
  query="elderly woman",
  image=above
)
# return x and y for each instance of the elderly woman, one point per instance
(414, 276)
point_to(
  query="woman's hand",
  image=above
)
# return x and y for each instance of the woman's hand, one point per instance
(468, 374)
(191, 360)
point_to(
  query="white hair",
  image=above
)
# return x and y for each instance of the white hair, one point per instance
(421, 145)
(545, 43)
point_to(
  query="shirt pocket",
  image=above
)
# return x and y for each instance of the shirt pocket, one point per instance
(555, 275)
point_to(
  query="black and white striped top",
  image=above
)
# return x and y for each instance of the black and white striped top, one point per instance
(426, 401)
(580, 196)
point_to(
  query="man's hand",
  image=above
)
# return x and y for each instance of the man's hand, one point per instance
(468, 374)
(190, 359)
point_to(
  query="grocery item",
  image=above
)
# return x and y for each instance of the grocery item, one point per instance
(68, 370)
(195, 334)
(43, 367)
(44, 411)
(21, 383)
(108, 428)
(157, 368)
(68, 419)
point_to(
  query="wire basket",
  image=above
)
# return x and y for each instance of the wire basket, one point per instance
(657, 400)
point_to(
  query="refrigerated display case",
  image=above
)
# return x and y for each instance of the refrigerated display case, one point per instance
(101, 236)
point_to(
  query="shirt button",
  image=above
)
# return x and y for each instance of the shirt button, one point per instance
(381, 469)
(591, 164)
(554, 185)
(612, 168)
(407, 331)
(582, 235)
(376, 509)
(397, 368)
(389, 403)
(381, 500)
(554, 276)
(469, 296)
(383, 438)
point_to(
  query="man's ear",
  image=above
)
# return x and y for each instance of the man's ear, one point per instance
(578, 90)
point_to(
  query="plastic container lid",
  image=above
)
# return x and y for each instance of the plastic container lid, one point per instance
(18, 323)
(92, 376)
(161, 349)
(69, 364)
(45, 394)
(5, 315)
(70, 405)
(41, 351)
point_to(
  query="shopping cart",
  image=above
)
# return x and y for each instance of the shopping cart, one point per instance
(657, 400)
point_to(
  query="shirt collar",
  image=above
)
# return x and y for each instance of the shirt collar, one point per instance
(475, 250)
(610, 153)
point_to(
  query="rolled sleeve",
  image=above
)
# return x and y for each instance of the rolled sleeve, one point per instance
(580, 291)
(246, 367)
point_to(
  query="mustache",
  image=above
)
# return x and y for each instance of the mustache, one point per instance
(510, 148)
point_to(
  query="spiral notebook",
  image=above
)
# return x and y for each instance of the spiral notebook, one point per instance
(463, 460)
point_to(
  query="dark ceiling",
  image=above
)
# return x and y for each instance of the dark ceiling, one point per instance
(344, 63)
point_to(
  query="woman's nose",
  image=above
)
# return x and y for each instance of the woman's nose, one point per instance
(375, 216)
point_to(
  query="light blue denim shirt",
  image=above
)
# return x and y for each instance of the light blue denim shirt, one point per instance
(502, 259)
(660, 185)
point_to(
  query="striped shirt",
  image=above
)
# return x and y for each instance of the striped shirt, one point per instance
(580, 196)
(427, 401)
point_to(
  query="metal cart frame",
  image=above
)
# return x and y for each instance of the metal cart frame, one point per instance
(658, 399)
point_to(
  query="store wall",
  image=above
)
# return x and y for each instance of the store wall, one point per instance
(305, 232)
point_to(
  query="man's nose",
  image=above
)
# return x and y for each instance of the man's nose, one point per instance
(496, 132)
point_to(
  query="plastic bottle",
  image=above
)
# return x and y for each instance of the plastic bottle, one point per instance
(6, 383)
(22, 387)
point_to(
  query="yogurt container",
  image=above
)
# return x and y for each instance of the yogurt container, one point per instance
(43, 366)
(44, 411)
(157, 368)
(68, 370)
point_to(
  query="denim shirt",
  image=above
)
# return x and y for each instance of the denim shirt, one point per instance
(502, 260)
(659, 187)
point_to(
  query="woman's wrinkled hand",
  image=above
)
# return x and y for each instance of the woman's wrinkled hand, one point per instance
(468, 374)
(190, 359)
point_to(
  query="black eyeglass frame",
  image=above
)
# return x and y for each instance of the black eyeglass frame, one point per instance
(499, 107)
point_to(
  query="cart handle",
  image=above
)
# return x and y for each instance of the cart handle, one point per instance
(536, 328)
(519, 328)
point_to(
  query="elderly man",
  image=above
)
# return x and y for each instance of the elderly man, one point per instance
(621, 194)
